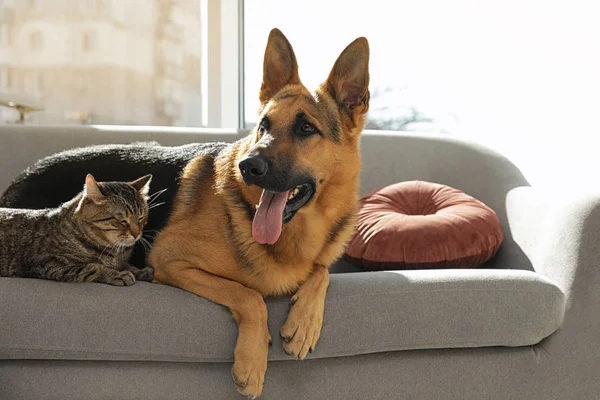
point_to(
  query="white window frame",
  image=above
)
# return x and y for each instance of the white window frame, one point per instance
(223, 69)
(222, 61)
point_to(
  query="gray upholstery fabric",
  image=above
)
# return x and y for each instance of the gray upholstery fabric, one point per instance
(522, 373)
(365, 313)
(549, 243)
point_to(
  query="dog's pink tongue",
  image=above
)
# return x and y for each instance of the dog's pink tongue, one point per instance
(266, 226)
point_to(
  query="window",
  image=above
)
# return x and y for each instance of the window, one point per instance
(89, 41)
(35, 41)
(193, 45)
(408, 89)
(63, 65)
(478, 69)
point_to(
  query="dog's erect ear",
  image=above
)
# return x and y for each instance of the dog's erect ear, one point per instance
(280, 67)
(348, 82)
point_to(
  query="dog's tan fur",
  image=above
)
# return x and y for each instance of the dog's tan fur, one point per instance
(207, 246)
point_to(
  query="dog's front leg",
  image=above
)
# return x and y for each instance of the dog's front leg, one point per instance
(305, 318)
(249, 311)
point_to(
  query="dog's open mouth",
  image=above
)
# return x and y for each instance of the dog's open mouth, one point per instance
(297, 198)
(277, 208)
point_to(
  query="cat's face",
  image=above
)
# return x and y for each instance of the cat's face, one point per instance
(115, 212)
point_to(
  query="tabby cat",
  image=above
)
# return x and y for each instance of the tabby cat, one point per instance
(86, 239)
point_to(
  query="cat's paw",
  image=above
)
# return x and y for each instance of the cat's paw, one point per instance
(144, 274)
(123, 278)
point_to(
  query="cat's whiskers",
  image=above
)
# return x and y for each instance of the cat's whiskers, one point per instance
(146, 244)
(104, 249)
(150, 234)
(154, 196)
(155, 205)
(111, 246)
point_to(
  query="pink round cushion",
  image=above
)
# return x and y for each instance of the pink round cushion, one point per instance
(423, 225)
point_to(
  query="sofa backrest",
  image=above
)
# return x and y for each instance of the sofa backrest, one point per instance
(387, 157)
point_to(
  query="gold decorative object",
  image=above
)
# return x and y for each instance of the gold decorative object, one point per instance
(18, 104)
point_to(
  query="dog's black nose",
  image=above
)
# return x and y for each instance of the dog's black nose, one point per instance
(253, 168)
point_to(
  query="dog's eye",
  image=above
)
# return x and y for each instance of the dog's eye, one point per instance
(307, 128)
(264, 125)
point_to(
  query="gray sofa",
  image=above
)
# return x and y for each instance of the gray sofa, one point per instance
(524, 326)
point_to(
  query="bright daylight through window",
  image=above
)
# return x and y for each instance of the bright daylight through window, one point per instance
(515, 75)
(126, 62)
(440, 66)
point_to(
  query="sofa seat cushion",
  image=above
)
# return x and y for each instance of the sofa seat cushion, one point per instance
(418, 225)
(366, 312)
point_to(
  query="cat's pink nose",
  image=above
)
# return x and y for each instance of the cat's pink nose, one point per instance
(135, 231)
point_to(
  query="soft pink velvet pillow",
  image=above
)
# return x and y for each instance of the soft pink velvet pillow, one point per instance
(423, 225)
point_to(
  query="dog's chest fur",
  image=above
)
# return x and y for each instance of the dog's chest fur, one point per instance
(211, 229)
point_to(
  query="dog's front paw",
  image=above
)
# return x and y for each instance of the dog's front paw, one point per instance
(249, 378)
(302, 329)
(250, 363)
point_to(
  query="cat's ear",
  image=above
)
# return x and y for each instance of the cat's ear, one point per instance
(142, 185)
(91, 189)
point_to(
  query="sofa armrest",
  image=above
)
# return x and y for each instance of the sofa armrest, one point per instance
(561, 237)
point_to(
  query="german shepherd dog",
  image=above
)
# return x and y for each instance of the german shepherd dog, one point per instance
(264, 216)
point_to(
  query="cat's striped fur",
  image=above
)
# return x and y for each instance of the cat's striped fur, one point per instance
(87, 239)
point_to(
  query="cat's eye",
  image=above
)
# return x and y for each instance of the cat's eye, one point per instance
(140, 219)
